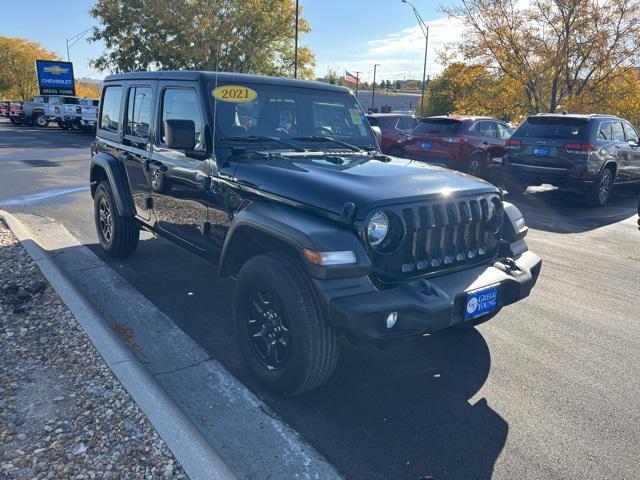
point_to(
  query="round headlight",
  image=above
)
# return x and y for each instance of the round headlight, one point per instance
(378, 228)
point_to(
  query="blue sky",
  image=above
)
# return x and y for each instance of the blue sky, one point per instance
(346, 34)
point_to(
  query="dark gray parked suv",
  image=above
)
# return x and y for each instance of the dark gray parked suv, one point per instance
(591, 152)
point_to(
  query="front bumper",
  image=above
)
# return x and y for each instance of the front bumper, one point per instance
(423, 305)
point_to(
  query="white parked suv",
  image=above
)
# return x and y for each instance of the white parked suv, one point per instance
(89, 113)
(64, 110)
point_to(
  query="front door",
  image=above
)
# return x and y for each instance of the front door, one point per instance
(179, 182)
(136, 145)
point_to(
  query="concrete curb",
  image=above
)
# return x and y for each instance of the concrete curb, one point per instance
(193, 452)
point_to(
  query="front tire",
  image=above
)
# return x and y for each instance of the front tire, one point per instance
(118, 235)
(283, 336)
(598, 194)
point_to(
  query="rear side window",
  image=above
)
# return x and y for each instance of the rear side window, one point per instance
(604, 132)
(70, 100)
(617, 133)
(110, 114)
(182, 104)
(504, 131)
(438, 125)
(554, 127)
(139, 104)
(486, 129)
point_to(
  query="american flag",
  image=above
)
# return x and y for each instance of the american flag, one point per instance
(350, 77)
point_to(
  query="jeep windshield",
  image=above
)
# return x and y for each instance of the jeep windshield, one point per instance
(304, 116)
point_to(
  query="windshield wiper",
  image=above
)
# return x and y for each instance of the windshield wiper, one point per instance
(265, 138)
(322, 138)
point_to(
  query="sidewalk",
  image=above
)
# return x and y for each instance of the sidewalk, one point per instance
(63, 414)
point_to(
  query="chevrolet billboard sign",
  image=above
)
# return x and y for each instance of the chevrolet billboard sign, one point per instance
(55, 78)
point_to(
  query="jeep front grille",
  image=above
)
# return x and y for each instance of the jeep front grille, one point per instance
(444, 234)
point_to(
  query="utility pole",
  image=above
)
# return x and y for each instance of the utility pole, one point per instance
(295, 53)
(73, 40)
(425, 31)
(373, 87)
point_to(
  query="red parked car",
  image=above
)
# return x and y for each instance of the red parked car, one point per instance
(15, 110)
(4, 108)
(394, 126)
(469, 144)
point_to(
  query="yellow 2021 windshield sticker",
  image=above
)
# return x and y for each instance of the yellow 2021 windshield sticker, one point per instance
(234, 93)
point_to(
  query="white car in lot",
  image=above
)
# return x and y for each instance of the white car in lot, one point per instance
(89, 113)
(64, 110)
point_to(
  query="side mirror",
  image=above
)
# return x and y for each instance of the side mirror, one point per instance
(632, 143)
(180, 134)
(377, 133)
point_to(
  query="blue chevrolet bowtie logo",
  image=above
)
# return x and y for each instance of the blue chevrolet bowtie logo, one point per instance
(56, 70)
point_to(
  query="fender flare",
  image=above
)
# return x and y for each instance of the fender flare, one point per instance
(102, 162)
(295, 230)
(606, 165)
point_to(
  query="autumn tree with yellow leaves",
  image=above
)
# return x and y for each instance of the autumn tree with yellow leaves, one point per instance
(18, 78)
(542, 56)
(250, 36)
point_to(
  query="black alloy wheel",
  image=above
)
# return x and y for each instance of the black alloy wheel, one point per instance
(105, 219)
(268, 328)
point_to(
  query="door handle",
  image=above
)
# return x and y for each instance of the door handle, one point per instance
(485, 143)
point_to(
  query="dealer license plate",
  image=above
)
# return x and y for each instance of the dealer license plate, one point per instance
(541, 151)
(481, 302)
(425, 145)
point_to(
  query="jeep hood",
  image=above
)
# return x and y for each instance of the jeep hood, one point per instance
(366, 182)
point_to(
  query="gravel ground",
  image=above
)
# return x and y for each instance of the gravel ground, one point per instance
(63, 414)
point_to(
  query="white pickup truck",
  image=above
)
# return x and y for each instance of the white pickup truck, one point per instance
(89, 113)
(63, 110)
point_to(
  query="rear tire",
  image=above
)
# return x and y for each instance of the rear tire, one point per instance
(118, 235)
(40, 121)
(598, 194)
(475, 165)
(275, 304)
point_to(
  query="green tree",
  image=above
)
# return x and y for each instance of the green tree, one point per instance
(252, 36)
(18, 78)
(558, 51)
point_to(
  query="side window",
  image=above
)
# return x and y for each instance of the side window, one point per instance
(110, 114)
(504, 131)
(139, 102)
(617, 132)
(54, 100)
(631, 132)
(405, 123)
(182, 104)
(604, 132)
(38, 99)
(486, 129)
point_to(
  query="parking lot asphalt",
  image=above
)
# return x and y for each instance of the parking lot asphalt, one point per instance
(549, 388)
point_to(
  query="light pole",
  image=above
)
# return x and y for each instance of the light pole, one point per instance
(373, 86)
(295, 53)
(357, 82)
(425, 30)
(74, 40)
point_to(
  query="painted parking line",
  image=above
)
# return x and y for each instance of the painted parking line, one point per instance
(40, 196)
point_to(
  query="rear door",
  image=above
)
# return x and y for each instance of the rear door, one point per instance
(622, 151)
(136, 134)
(490, 143)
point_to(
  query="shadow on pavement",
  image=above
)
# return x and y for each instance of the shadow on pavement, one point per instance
(564, 211)
(402, 412)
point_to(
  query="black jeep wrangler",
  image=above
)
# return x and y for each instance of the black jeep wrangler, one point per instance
(282, 185)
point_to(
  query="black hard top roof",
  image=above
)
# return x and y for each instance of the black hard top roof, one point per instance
(223, 77)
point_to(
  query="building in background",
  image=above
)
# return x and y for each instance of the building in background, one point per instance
(389, 101)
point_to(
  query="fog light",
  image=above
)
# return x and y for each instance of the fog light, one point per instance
(392, 319)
